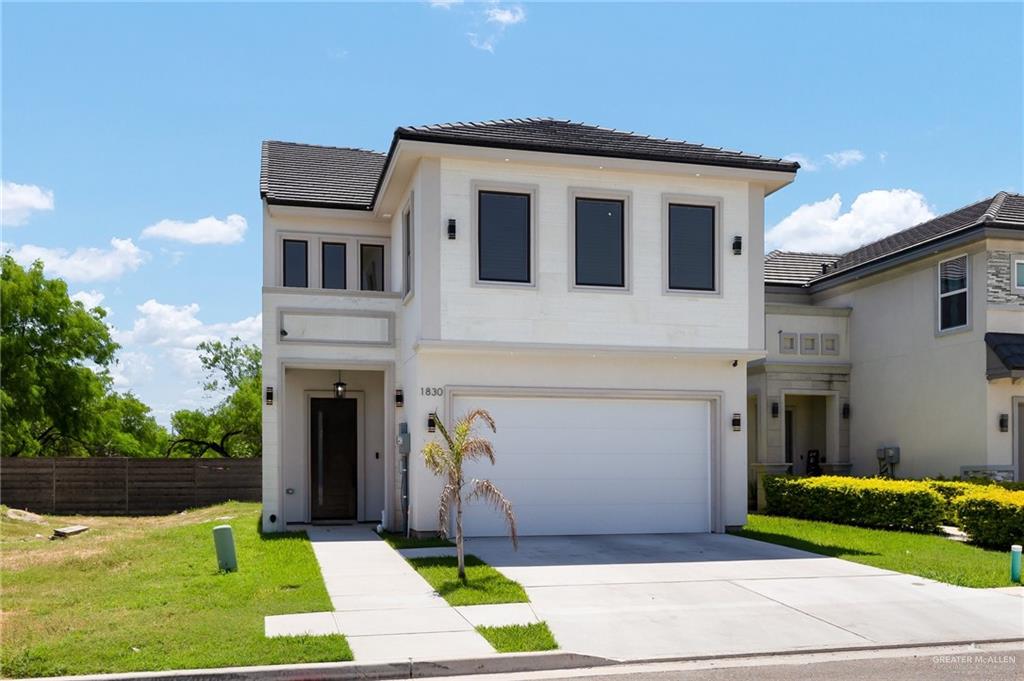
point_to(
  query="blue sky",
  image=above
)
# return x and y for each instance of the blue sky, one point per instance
(117, 118)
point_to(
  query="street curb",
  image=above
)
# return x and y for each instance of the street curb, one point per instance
(349, 671)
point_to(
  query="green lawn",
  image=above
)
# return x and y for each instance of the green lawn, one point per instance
(137, 594)
(484, 584)
(519, 638)
(400, 541)
(925, 555)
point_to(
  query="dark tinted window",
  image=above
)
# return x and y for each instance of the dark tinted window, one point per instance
(953, 293)
(407, 251)
(333, 265)
(600, 243)
(295, 263)
(371, 267)
(953, 310)
(691, 247)
(503, 239)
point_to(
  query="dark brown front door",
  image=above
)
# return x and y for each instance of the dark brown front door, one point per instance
(333, 459)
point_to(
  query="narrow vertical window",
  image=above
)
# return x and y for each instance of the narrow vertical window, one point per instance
(333, 265)
(1018, 275)
(953, 293)
(691, 247)
(407, 251)
(503, 237)
(295, 263)
(371, 267)
(600, 243)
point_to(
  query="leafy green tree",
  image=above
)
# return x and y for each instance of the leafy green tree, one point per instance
(126, 428)
(227, 366)
(54, 358)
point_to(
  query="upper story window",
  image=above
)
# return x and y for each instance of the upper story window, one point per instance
(296, 263)
(333, 265)
(1018, 274)
(953, 277)
(371, 267)
(690, 248)
(503, 237)
(407, 250)
(600, 238)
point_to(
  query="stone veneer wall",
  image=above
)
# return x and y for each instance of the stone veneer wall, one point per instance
(999, 289)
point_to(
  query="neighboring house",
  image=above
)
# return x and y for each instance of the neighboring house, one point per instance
(599, 292)
(914, 341)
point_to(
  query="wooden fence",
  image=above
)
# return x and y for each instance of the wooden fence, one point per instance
(125, 486)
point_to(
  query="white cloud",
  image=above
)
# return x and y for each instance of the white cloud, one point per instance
(506, 16)
(845, 158)
(208, 230)
(178, 326)
(882, 156)
(805, 163)
(130, 369)
(444, 4)
(822, 227)
(84, 264)
(89, 299)
(19, 201)
(485, 44)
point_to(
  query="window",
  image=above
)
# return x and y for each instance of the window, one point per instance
(600, 242)
(407, 250)
(503, 237)
(953, 293)
(295, 263)
(691, 247)
(1018, 274)
(332, 260)
(371, 267)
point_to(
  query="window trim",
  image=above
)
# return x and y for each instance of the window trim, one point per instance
(284, 262)
(626, 198)
(1015, 262)
(328, 242)
(704, 200)
(939, 295)
(532, 190)
(408, 250)
(359, 263)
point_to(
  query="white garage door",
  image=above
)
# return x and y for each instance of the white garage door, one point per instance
(595, 466)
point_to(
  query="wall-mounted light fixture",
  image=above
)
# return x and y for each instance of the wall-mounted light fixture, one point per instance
(431, 422)
(775, 410)
(270, 395)
(737, 245)
(736, 422)
(846, 410)
(451, 228)
(1004, 423)
(339, 388)
(399, 398)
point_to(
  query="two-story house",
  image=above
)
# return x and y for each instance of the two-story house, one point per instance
(915, 342)
(599, 292)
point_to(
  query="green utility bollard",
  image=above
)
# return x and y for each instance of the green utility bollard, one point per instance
(1015, 562)
(224, 541)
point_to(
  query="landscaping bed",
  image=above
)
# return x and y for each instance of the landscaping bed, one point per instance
(925, 555)
(144, 594)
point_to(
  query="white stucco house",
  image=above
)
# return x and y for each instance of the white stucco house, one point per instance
(915, 342)
(601, 293)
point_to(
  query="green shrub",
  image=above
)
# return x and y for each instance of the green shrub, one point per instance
(992, 516)
(869, 502)
(950, 490)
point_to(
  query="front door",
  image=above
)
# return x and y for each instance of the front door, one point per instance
(334, 451)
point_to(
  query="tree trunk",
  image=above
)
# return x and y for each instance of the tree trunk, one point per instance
(459, 550)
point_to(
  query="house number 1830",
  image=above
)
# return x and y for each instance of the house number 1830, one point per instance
(432, 392)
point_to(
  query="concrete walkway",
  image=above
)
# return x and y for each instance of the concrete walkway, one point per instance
(384, 608)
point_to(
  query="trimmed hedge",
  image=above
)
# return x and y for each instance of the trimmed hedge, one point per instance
(992, 516)
(868, 502)
(950, 490)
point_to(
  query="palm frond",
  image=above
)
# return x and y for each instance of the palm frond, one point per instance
(444, 433)
(448, 494)
(436, 458)
(481, 414)
(486, 490)
(477, 448)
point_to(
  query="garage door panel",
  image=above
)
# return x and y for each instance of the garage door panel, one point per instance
(584, 465)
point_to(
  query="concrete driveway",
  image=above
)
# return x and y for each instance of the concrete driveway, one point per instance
(636, 597)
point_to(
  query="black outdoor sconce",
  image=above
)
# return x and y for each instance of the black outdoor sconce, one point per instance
(399, 398)
(737, 245)
(775, 410)
(431, 422)
(451, 228)
(846, 411)
(270, 395)
(736, 422)
(1004, 423)
(339, 387)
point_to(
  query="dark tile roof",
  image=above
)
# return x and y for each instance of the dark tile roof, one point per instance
(1001, 210)
(329, 177)
(1009, 348)
(569, 137)
(787, 267)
